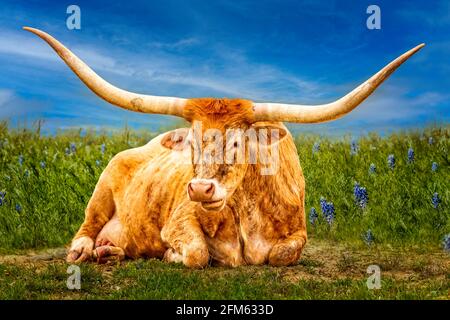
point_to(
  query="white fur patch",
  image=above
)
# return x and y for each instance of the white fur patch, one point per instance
(82, 244)
(172, 256)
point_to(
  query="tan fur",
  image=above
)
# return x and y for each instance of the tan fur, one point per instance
(140, 203)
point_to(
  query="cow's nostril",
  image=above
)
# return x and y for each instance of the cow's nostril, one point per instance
(210, 190)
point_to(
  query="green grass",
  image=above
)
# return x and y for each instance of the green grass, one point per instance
(399, 212)
(44, 206)
(152, 279)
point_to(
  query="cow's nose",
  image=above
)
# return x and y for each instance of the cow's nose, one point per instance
(201, 191)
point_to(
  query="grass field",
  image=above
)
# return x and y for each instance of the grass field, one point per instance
(398, 221)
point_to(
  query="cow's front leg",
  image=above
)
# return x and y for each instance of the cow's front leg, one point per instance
(99, 211)
(184, 236)
(288, 251)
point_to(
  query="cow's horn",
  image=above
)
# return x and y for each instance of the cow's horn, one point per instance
(333, 110)
(105, 90)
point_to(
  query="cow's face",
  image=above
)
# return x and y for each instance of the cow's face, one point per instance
(217, 169)
(215, 139)
(223, 142)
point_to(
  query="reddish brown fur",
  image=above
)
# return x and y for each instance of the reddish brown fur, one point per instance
(140, 203)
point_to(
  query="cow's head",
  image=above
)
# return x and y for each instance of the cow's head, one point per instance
(215, 181)
(223, 139)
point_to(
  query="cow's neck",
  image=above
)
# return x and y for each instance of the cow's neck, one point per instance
(273, 194)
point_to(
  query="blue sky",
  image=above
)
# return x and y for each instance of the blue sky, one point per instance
(307, 52)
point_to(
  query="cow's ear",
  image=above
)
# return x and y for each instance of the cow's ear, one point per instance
(177, 139)
(270, 132)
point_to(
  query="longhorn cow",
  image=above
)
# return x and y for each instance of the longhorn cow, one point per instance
(159, 201)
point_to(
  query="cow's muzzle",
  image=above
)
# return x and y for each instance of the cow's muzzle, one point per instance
(207, 192)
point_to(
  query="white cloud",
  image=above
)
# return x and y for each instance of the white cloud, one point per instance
(27, 45)
(235, 76)
(11, 105)
(16, 44)
(5, 96)
(177, 45)
(394, 103)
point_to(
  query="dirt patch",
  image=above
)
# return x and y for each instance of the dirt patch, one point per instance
(46, 255)
(321, 260)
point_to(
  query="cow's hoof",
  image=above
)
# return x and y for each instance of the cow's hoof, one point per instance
(102, 242)
(104, 254)
(80, 250)
(172, 256)
(284, 254)
(196, 257)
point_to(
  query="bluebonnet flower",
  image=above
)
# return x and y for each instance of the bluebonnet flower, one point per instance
(73, 147)
(102, 148)
(42, 164)
(354, 147)
(446, 242)
(410, 155)
(434, 166)
(361, 195)
(2, 197)
(330, 217)
(98, 163)
(327, 210)
(18, 208)
(67, 151)
(430, 140)
(316, 147)
(21, 160)
(391, 161)
(368, 237)
(313, 216)
(372, 168)
(323, 204)
(435, 200)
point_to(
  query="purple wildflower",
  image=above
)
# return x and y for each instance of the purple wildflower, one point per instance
(316, 147)
(2, 197)
(435, 200)
(434, 166)
(446, 243)
(327, 210)
(368, 237)
(313, 216)
(391, 161)
(410, 155)
(361, 195)
(354, 147)
(73, 147)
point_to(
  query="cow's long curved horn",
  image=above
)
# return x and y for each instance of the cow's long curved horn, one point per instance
(333, 110)
(105, 90)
